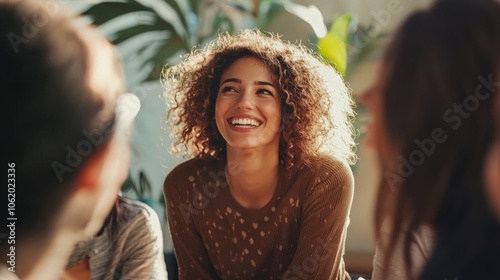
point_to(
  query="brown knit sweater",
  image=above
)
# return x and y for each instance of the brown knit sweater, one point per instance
(299, 234)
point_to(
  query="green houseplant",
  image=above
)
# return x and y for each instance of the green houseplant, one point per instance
(159, 32)
(141, 190)
(170, 28)
(348, 43)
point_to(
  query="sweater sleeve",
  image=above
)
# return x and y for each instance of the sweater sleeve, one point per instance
(143, 256)
(192, 258)
(325, 213)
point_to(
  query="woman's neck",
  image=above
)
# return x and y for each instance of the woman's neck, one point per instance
(252, 176)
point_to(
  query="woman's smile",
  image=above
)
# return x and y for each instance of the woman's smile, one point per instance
(248, 106)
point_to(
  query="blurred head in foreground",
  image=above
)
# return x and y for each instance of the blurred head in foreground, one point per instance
(492, 169)
(65, 117)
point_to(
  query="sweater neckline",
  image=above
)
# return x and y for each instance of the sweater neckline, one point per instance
(273, 202)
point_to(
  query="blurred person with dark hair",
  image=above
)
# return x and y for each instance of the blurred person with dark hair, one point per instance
(67, 121)
(492, 169)
(432, 125)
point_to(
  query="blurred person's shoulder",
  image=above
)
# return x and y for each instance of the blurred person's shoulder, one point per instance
(6, 274)
(134, 209)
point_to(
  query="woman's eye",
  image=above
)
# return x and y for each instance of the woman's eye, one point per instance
(228, 89)
(264, 91)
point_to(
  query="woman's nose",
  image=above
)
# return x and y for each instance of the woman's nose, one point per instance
(245, 102)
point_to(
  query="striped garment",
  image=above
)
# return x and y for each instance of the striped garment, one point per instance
(131, 247)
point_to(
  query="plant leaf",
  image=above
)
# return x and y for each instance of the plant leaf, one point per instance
(162, 56)
(333, 47)
(129, 185)
(128, 33)
(144, 185)
(107, 11)
(268, 10)
(340, 27)
(179, 19)
(180, 10)
(309, 14)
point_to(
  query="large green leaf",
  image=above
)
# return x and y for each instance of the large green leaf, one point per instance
(106, 11)
(268, 10)
(194, 4)
(128, 33)
(171, 13)
(181, 20)
(180, 11)
(162, 56)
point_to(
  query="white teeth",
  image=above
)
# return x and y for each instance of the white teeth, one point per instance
(245, 121)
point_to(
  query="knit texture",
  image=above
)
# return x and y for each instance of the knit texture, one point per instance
(299, 234)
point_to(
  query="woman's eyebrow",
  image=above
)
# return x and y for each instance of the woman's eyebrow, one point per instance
(234, 80)
(263, 83)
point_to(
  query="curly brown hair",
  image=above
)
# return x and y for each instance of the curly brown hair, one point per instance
(316, 104)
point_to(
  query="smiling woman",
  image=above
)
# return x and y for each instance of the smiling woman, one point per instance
(248, 107)
(268, 192)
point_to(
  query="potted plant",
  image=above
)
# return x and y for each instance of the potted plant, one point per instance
(142, 190)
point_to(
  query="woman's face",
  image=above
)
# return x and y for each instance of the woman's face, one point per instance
(492, 167)
(248, 107)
